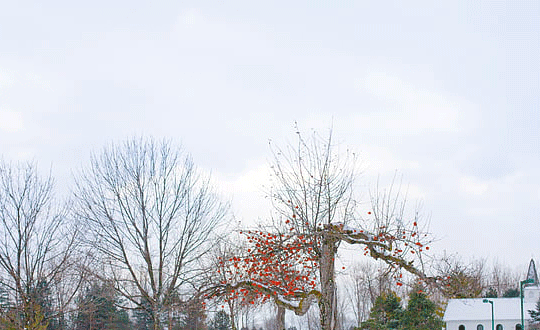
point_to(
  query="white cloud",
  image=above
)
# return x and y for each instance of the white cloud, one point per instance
(415, 110)
(248, 191)
(192, 26)
(10, 121)
(473, 186)
(6, 79)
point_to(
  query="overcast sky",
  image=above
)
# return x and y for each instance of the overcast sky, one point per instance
(447, 94)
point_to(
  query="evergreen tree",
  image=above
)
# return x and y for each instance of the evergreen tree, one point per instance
(385, 313)
(96, 310)
(491, 293)
(40, 295)
(511, 293)
(535, 313)
(221, 321)
(420, 314)
(28, 316)
(143, 316)
(4, 300)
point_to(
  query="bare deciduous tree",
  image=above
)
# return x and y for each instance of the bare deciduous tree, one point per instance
(364, 283)
(150, 215)
(458, 279)
(503, 279)
(36, 246)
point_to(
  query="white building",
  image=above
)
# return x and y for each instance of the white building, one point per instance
(474, 314)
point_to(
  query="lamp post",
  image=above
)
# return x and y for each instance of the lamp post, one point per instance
(492, 315)
(527, 281)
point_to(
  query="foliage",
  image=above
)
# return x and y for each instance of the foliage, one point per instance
(420, 314)
(41, 295)
(511, 293)
(96, 309)
(29, 317)
(535, 313)
(387, 313)
(143, 315)
(491, 293)
(221, 321)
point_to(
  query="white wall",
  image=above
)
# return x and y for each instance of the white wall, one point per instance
(471, 325)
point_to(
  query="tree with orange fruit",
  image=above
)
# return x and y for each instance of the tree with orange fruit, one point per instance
(293, 262)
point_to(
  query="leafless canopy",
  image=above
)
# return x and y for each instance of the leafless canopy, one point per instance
(149, 215)
(35, 246)
(313, 183)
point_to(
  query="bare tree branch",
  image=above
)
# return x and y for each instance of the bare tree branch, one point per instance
(150, 214)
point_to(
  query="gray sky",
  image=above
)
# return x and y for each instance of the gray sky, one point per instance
(448, 94)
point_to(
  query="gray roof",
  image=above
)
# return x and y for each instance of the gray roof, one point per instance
(475, 309)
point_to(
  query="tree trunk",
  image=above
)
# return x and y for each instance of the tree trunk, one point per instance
(280, 318)
(155, 316)
(327, 304)
(232, 315)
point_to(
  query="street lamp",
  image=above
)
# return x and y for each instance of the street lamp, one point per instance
(492, 316)
(527, 281)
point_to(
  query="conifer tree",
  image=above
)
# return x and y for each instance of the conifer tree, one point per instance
(386, 313)
(96, 309)
(221, 321)
(420, 313)
(535, 313)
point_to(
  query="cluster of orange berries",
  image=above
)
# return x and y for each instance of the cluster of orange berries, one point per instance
(275, 264)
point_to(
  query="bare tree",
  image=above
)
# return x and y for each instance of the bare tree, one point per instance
(150, 215)
(459, 279)
(36, 245)
(364, 283)
(503, 279)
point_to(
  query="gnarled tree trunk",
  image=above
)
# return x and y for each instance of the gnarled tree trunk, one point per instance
(327, 301)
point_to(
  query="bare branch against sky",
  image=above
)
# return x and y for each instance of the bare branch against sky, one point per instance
(151, 216)
(447, 93)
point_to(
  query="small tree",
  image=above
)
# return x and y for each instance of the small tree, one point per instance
(459, 279)
(143, 316)
(535, 313)
(491, 293)
(97, 309)
(386, 313)
(420, 313)
(511, 293)
(37, 247)
(221, 321)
